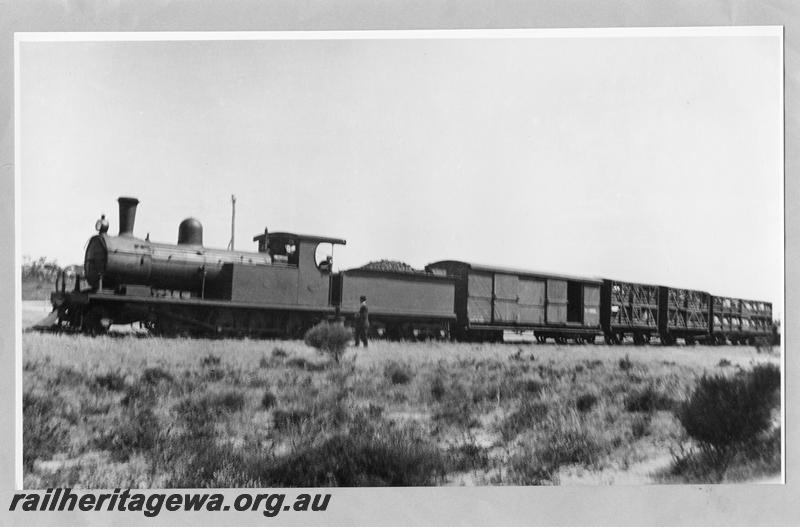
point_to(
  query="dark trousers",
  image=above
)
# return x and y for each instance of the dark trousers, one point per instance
(361, 335)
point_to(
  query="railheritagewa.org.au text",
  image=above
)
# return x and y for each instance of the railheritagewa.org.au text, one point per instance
(152, 504)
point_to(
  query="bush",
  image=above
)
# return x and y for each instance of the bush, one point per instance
(398, 373)
(538, 465)
(758, 459)
(467, 456)
(330, 339)
(210, 405)
(728, 417)
(155, 375)
(648, 399)
(368, 455)
(140, 394)
(531, 386)
(640, 426)
(284, 419)
(111, 381)
(303, 364)
(229, 401)
(136, 431)
(524, 418)
(268, 400)
(585, 402)
(43, 432)
(210, 360)
(766, 379)
(569, 447)
(457, 413)
(438, 389)
(625, 364)
(724, 414)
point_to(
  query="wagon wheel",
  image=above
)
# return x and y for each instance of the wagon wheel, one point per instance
(620, 338)
(610, 340)
(689, 341)
(589, 339)
(579, 340)
(541, 339)
(638, 339)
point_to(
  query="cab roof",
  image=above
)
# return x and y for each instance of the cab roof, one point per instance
(299, 237)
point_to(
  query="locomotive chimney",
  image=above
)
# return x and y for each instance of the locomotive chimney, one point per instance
(127, 215)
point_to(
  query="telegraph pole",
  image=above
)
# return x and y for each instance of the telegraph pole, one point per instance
(233, 222)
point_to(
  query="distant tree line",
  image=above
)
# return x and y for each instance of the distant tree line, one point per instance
(44, 270)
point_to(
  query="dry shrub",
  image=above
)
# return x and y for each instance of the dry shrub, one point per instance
(640, 426)
(111, 381)
(212, 404)
(268, 400)
(329, 338)
(531, 386)
(303, 364)
(724, 414)
(625, 364)
(537, 463)
(285, 419)
(210, 361)
(371, 455)
(526, 417)
(398, 373)
(155, 375)
(279, 353)
(648, 399)
(136, 431)
(467, 456)
(438, 389)
(45, 431)
(457, 413)
(585, 402)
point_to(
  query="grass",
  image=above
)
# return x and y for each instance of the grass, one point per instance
(122, 411)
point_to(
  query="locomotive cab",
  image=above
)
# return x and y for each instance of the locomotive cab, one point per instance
(298, 250)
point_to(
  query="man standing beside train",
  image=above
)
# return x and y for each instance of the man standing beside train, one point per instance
(362, 322)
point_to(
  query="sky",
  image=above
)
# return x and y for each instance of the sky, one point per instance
(648, 158)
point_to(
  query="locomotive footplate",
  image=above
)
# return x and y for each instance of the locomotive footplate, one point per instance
(171, 315)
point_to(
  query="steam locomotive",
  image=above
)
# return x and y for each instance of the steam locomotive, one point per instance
(283, 289)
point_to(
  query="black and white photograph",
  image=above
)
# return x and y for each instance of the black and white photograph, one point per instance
(401, 258)
(399, 263)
